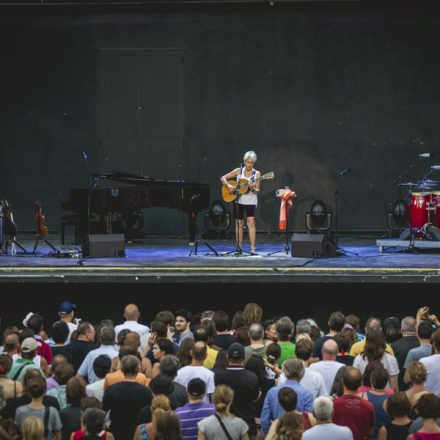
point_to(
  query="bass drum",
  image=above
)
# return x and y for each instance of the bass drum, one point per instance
(435, 206)
(418, 210)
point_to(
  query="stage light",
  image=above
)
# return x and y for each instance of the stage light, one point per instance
(217, 213)
(217, 221)
(318, 219)
(400, 213)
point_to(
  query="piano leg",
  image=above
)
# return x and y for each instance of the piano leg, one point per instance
(192, 218)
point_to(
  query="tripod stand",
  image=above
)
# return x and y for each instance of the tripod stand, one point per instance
(287, 205)
(198, 239)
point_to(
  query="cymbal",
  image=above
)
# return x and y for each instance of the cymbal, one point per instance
(409, 184)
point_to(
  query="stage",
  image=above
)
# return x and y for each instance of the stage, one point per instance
(172, 260)
(158, 273)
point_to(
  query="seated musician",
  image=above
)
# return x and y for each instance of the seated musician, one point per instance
(247, 202)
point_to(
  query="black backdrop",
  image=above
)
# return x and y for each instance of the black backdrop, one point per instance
(311, 88)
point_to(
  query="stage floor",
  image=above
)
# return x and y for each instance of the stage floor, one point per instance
(167, 260)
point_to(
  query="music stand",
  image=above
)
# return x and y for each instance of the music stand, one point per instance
(286, 248)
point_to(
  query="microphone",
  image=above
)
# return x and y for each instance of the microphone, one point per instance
(426, 155)
(84, 155)
(435, 167)
(344, 171)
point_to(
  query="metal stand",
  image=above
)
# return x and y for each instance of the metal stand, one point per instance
(238, 250)
(44, 241)
(198, 239)
(286, 234)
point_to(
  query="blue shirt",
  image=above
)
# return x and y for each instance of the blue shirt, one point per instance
(191, 414)
(86, 368)
(417, 353)
(272, 409)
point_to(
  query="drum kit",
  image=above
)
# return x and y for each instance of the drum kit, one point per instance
(424, 208)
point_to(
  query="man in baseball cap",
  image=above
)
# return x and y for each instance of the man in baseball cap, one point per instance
(243, 382)
(28, 351)
(66, 313)
(195, 410)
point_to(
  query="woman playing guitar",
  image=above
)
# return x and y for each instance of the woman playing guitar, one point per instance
(248, 201)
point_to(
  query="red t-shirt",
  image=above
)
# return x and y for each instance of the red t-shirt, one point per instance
(355, 413)
(44, 350)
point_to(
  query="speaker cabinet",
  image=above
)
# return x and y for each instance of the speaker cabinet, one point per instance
(312, 246)
(104, 246)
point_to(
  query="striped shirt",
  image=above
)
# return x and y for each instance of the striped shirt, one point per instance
(190, 414)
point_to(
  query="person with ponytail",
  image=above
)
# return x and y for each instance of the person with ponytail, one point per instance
(223, 425)
(147, 431)
(33, 429)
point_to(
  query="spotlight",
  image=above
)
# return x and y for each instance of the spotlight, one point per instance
(318, 219)
(397, 218)
(400, 212)
(217, 220)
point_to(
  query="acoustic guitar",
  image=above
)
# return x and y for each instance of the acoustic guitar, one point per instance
(241, 187)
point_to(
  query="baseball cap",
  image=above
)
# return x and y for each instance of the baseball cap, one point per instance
(67, 307)
(196, 387)
(236, 351)
(28, 345)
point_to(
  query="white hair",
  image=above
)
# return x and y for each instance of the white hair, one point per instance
(323, 407)
(250, 154)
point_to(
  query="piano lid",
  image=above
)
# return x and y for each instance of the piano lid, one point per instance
(134, 179)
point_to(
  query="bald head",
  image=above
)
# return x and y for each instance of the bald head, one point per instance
(330, 350)
(351, 379)
(199, 352)
(11, 342)
(131, 312)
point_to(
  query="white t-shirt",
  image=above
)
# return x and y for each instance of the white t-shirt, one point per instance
(249, 198)
(96, 389)
(312, 381)
(142, 330)
(328, 431)
(328, 370)
(185, 374)
(432, 365)
(388, 361)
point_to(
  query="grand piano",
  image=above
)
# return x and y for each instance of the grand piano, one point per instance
(138, 193)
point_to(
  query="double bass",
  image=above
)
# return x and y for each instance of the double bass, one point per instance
(42, 230)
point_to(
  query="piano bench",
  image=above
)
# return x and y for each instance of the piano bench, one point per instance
(71, 220)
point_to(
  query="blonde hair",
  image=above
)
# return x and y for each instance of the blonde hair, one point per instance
(222, 399)
(33, 429)
(290, 427)
(417, 372)
(159, 406)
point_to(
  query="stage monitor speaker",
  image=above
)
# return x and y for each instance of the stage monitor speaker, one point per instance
(312, 246)
(104, 246)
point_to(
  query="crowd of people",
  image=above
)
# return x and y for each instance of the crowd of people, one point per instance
(206, 377)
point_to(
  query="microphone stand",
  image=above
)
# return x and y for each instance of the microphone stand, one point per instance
(341, 175)
(89, 185)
